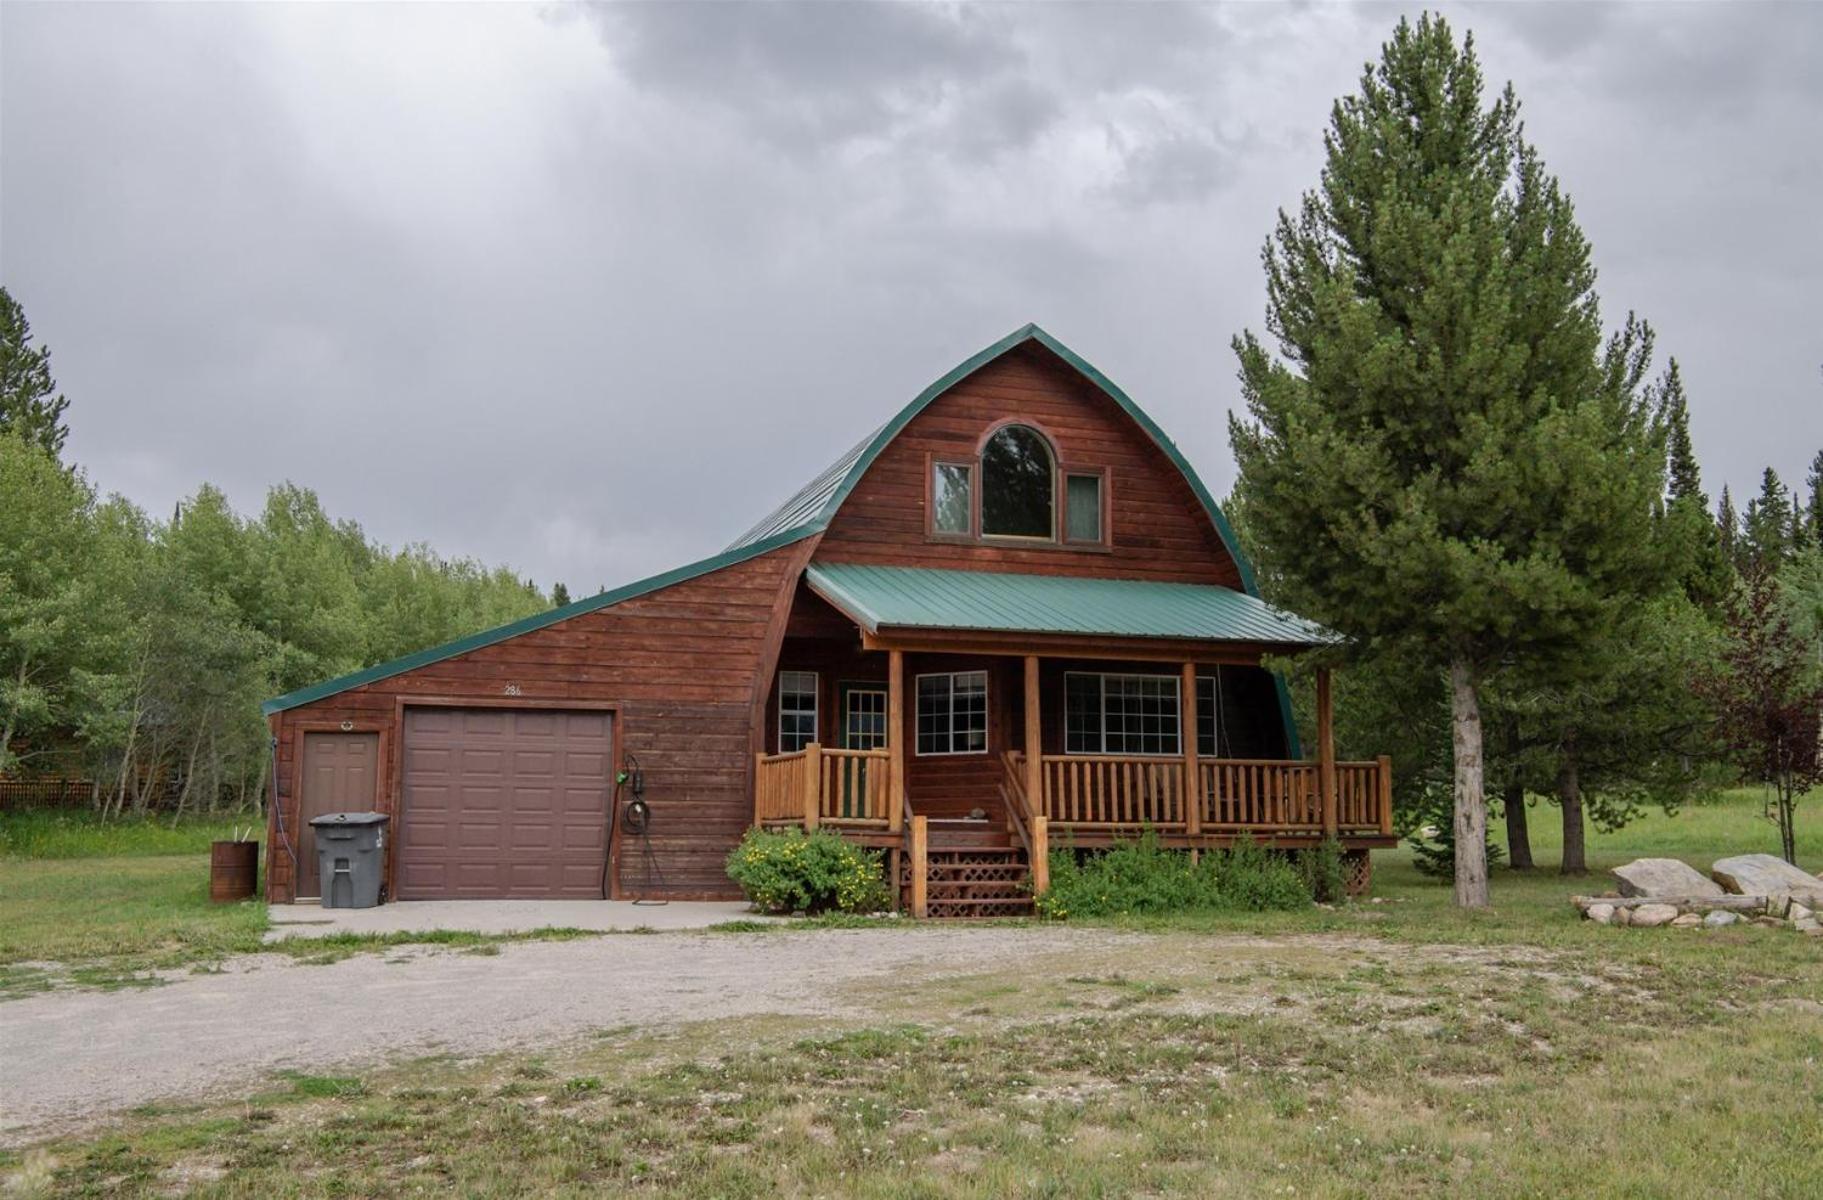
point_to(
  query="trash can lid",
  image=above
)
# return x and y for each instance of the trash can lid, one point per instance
(354, 818)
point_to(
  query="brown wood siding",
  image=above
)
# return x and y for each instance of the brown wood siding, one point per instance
(1159, 530)
(678, 667)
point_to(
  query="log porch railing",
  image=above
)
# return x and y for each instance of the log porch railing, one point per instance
(1123, 794)
(819, 786)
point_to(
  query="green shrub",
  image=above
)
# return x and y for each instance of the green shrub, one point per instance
(1141, 877)
(1321, 867)
(795, 871)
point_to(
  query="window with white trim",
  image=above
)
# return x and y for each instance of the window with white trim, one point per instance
(1120, 714)
(797, 710)
(952, 713)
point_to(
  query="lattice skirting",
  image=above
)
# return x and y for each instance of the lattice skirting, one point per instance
(1357, 872)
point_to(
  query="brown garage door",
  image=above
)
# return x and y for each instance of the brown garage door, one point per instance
(504, 803)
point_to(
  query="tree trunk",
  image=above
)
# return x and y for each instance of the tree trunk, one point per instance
(1512, 799)
(1788, 834)
(1471, 815)
(1569, 795)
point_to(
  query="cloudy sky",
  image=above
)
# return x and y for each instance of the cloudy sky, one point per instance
(587, 291)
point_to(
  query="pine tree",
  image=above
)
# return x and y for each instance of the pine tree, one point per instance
(1444, 457)
(560, 594)
(1766, 527)
(1813, 509)
(30, 409)
(1686, 482)
(1692, 539)
(1728, 528)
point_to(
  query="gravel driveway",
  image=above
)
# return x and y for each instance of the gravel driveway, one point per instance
(69, 1059)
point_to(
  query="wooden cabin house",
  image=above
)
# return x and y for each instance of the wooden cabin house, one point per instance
(1010, 618)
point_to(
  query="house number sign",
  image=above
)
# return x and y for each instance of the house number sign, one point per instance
(512, 689)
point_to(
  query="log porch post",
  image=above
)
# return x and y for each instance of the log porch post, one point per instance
(1041, 855)
(1386, 796)
(920, 866)
(895, 740)
(1326, 750)
(1193, 784)
(1034, 750)
(813, 783)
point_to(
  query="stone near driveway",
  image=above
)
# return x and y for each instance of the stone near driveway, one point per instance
(1601, 914)
(1649, 915)
(1767, 875)
(1686, 921)
(1720, 919)
(1798, 912)
(1663, 877)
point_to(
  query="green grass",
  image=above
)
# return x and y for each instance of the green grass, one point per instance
(38, 834)
(1399, 1048)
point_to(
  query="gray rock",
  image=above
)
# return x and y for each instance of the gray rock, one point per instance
(1720, 919)
(1798, 912)
(1648, 915)
(1601, 914)
(1767, 875)
(1663, 877)
(1808, 925)
(1686, 921)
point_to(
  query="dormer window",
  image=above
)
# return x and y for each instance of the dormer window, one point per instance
(1018, 485)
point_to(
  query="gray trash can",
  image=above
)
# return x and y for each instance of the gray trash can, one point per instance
(350, 850)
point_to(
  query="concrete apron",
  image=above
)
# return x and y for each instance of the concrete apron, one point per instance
(307, 920)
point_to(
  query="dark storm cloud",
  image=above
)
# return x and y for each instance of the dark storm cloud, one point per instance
(587, 290)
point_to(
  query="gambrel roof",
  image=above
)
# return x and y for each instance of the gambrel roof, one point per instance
(814, 505)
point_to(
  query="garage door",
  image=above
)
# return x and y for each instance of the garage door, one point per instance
(504, 803)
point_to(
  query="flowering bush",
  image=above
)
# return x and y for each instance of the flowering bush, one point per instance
(793, 871)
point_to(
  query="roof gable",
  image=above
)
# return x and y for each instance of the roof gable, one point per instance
(814, 506)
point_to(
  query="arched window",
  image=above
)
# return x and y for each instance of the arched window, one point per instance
(1017, 489)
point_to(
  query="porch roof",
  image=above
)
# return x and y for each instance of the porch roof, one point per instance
(879, 598)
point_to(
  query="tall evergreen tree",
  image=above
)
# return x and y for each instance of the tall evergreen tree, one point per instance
(1692, 539)
(1728, 527)
(30, 407)
(1813, 506)
(1766, 527)
(1442, 456)
(1686, 481)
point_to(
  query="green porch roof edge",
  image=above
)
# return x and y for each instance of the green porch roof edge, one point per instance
(1031, 332)
(500, 633)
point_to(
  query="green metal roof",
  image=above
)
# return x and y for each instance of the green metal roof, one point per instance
(927, 598)
(488, 637)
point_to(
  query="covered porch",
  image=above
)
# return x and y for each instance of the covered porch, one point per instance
(918, 711)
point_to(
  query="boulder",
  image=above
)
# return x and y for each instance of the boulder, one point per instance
(1649, 915)
(1767, 875)
(1663, 877)
(1686, 921)
(1601, 914)
(1798, 912)
(1808, 925)
(1719, 919)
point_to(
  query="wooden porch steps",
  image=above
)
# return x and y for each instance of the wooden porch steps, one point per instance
(973, 871)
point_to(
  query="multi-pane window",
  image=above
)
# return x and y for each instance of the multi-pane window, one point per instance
(1082, 508)
(797, 710)
(952, 713)
(952, 499)
(864, 719)
(1121, 714)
